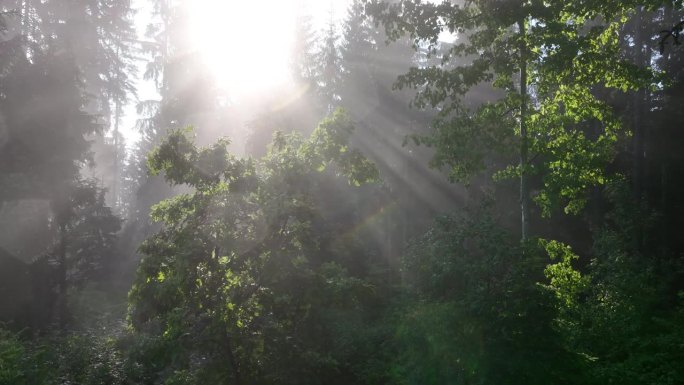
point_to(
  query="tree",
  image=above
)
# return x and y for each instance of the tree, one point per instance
(86, 241)
(622, 311)
(241, 283)
(80, 49)
(100, 38)
(302, 62)
(328, 66)
(45, 145)
(652, 162)
(47, 121)
(546, 60)
(369, 69)
(187, 96)
(474, 312)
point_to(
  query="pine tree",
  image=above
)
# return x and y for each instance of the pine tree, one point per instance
(329, 66)
(187, 96)
(302, 62)
(369, 70)
(51, 90)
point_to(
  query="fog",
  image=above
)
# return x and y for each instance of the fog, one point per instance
(340, 191)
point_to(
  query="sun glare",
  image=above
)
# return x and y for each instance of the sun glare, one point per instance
(244, 43)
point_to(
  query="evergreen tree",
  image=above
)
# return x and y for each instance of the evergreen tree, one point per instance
(48, 122)
(85, 244)
(187, 96)
(369, 70)
(187, 92)
(302, 54)
(328, 77)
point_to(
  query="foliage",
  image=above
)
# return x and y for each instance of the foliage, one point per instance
(328, 78)
(91, 233)
(568, 52)
(82, 358)
(283, 269)
(46, 121)
(11, 353)
(476, 313)
(239, 272)
(45, 144)
(619, 314)
(303, 57)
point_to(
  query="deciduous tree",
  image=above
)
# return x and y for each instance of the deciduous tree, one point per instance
(547, 60)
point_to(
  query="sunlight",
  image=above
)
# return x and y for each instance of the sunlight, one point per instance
(245, 43)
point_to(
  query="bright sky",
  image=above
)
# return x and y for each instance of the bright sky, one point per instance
(245, 43)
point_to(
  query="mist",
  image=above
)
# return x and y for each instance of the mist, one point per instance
(348, 191)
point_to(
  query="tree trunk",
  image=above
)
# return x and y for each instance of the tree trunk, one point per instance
(524, 188)
(232, 360)
(637, 112)
(116, 200)
(638, 148)
(62, 308)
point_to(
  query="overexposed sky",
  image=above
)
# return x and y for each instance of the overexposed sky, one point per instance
(245, 43)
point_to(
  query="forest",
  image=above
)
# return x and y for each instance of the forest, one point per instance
(409, 192)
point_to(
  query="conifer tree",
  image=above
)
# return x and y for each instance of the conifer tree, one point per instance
(54, 98)
(329, 65)
(302, 62)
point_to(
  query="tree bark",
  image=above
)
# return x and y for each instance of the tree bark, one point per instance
(637, 112)
(62, 308)
(232, 360)
(524, 188)
(638, 148)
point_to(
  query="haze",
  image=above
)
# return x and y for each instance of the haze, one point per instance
(341, 192)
